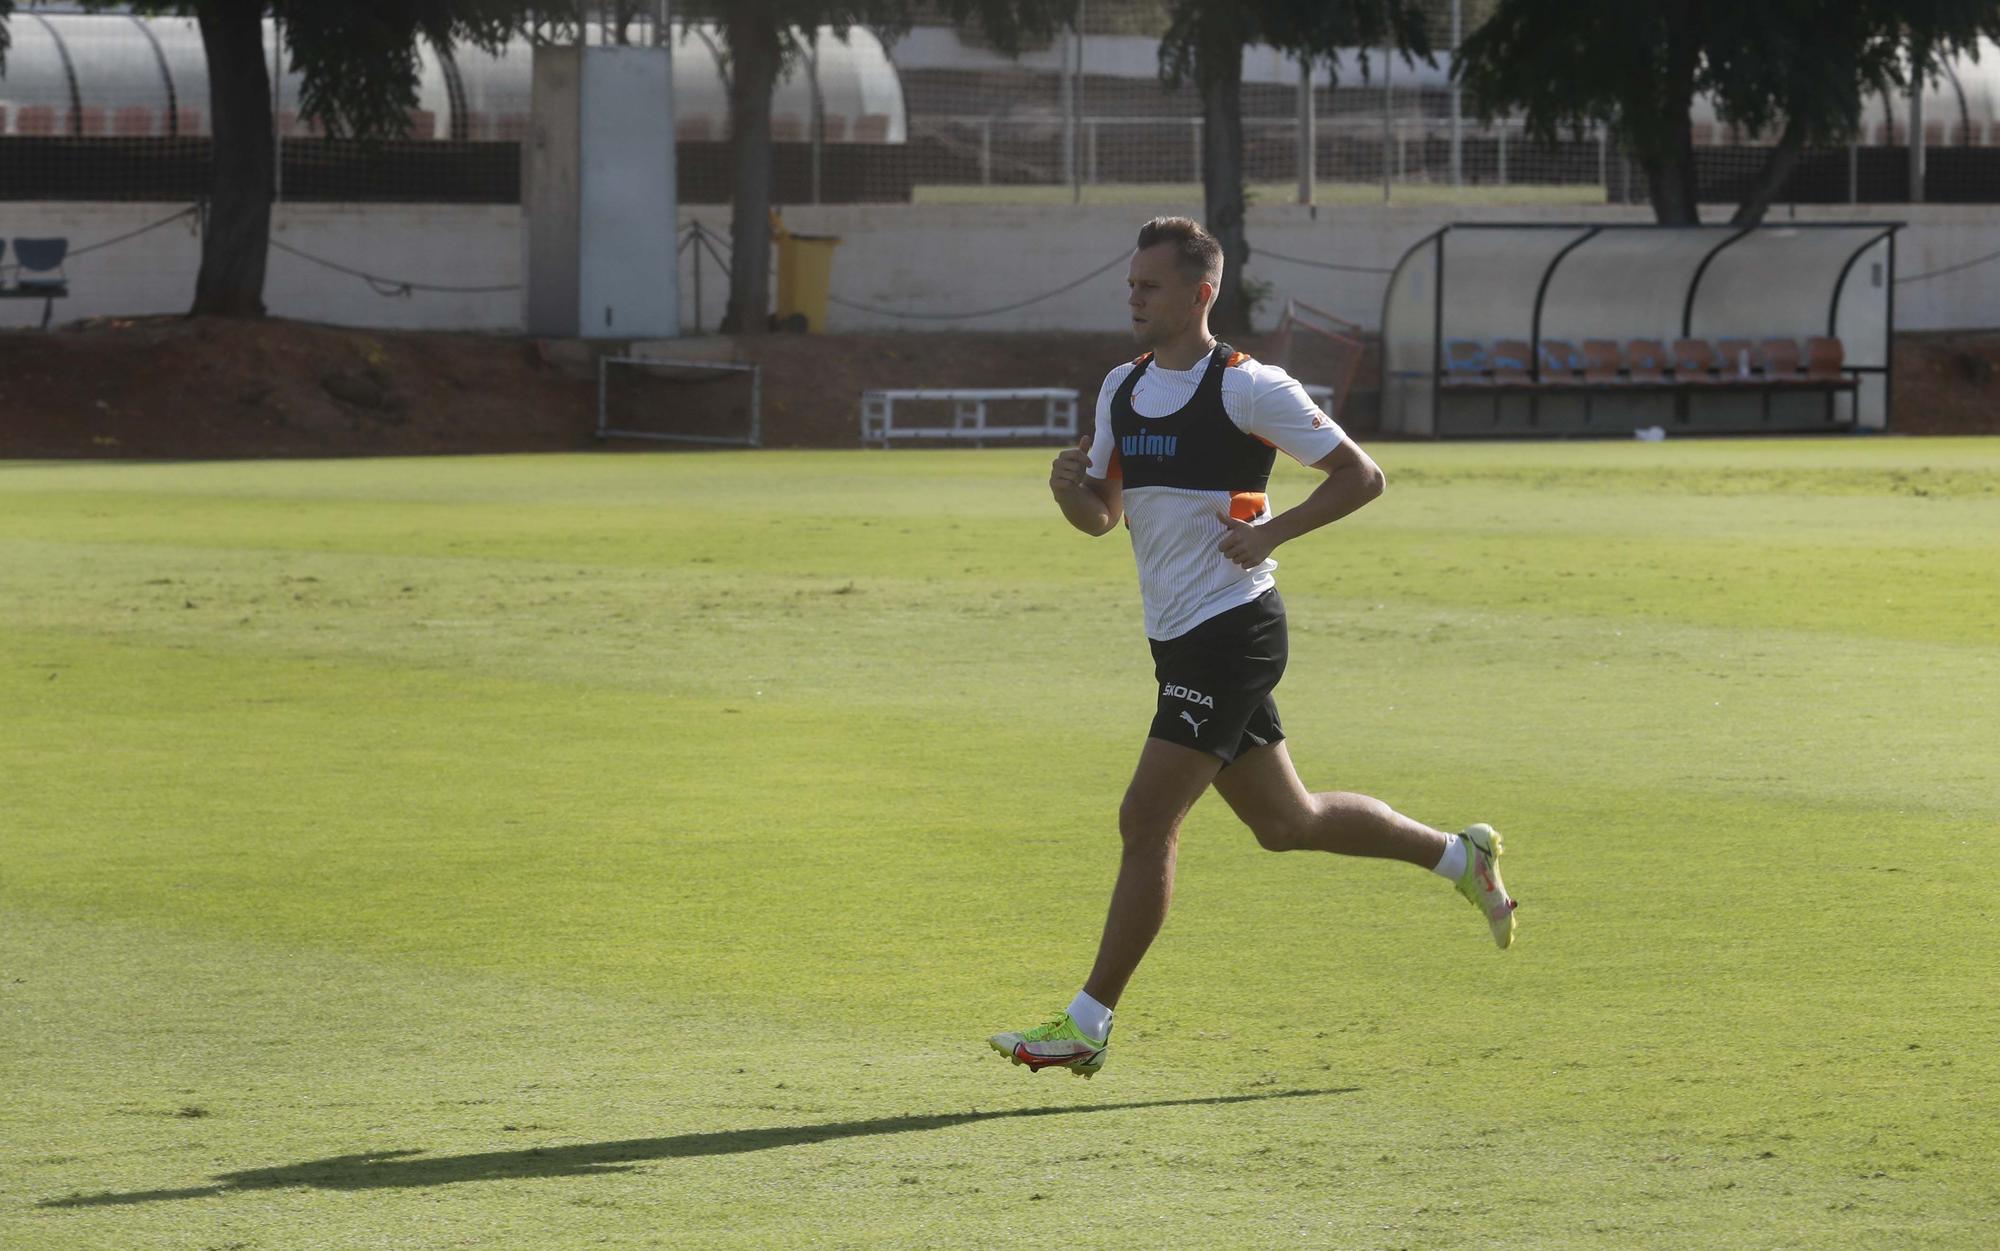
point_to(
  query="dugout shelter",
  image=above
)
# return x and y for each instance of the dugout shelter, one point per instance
(1577, 328)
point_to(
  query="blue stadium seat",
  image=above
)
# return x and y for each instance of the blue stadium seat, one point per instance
(36, 257)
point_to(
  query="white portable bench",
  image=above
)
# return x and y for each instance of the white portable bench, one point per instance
(879, 427)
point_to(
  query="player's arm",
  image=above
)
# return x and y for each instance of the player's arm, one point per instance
(1352, 480)
(1278, 410)
(1092, 505)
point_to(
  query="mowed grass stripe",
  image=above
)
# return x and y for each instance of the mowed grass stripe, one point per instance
(426, 815)
(611, 1120)
(1545, 691)
(1729, 533)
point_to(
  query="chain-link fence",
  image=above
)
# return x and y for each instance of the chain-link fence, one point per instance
(115, 107)
(1088, 117)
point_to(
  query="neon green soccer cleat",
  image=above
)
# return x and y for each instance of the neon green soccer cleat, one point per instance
(1481, 883)
(1057, 1045)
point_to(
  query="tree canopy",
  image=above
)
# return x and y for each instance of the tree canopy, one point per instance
(1204, 45)
(358, 70)
(1798, 66)
(760, 37)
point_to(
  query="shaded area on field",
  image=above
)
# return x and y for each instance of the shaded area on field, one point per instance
(373, 1169)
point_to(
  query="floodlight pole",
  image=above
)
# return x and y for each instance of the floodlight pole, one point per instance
(277, 108)
(1916, 129)
(818, 109)
(1071, 88)
(1076, 127)
(1457, 123)
(1307, 153)
(1388, 101)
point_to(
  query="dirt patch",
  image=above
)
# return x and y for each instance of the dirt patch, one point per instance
(1947, 382)
(812, 384)
(183, 387)
(170, 387)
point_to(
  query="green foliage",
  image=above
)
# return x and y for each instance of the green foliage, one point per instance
(1006, 23)
(358, 63)
(1567, 64)
(1203, 34)
(1257, 293)
(628, 850)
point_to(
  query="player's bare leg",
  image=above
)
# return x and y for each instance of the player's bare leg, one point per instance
(1167, 782)
(1164, 786)
(1265, 792)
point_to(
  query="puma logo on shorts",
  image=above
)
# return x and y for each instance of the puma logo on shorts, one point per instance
(1230, 664)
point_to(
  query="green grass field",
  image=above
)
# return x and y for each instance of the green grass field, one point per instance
(635, 850)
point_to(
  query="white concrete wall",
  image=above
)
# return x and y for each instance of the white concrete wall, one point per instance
(906, 258)
(445, 245)
(967, 258)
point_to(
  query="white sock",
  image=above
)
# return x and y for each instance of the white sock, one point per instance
(1452, 863)
(1092, 1017)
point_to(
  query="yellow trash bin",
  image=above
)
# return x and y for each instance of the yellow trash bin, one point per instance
(805, 276)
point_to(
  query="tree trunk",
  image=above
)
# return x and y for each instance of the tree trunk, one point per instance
(1670, 186)
(1670, 174)
(754, 54)
(1778, 166)
(236, 232)
(1219, 69)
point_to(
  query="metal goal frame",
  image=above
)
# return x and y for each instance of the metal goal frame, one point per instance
(605, 430)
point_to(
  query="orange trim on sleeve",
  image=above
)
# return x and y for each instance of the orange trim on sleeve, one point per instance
(1116, 470)
(1247, 505)
(1236, 358)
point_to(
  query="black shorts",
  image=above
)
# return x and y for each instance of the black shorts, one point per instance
(1216, 680)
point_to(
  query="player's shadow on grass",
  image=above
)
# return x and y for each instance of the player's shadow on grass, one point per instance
(373, 1169)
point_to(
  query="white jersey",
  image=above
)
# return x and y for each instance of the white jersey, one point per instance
(1183, 578)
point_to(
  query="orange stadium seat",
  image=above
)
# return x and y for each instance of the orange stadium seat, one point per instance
(1824, 357)
(1602, 362)
(1465, 363)
(1694, 361)
(1741, 360)
(1510, 363)
(1560, 361)
(1781, 359)
(1648, 360)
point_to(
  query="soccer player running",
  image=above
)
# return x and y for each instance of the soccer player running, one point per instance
(1184, 442)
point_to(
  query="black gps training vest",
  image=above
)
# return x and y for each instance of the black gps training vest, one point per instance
(1197, 448)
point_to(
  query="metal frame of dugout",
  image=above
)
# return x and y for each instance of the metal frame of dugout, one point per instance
(1466, 301)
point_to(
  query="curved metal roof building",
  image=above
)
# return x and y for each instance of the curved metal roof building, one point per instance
(124, 75)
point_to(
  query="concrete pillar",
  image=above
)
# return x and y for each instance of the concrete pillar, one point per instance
(599, 196)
